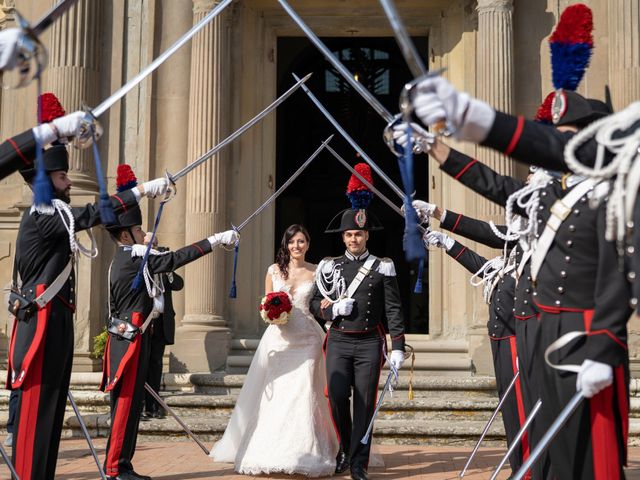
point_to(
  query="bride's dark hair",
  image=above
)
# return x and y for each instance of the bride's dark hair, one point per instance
(283, 256)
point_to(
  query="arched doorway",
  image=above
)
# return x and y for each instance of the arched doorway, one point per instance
(319, 193)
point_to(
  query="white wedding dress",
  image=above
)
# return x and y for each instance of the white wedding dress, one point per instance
(281, 421)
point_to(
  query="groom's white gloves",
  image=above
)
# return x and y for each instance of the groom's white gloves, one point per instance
(397, 359)
(593, 377)
(229, 238)
(438, 239)
(342, 308)
(437, 100)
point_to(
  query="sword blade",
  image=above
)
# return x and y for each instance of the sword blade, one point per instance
(351, 141)
(85, 432)
(127, 87)
(331, 58)
(550, 434)
(275, 194)
(184, 426)
(407, 47)
(240, 131)
(7, 460)
(489, 423)
(54, 13)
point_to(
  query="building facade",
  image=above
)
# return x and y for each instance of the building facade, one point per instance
(495, 49)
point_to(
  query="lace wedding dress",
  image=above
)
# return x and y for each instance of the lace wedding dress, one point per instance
(281, 421)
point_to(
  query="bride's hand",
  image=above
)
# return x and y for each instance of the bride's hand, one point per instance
(324, 303)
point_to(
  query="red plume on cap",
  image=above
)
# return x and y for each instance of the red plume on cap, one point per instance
(543, 115)
(125, 178)
(355, 183)
(359, 194)
(50, 107)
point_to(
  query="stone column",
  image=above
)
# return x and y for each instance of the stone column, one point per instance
(202, 341)
(495, 76)
(624, 52)
(73, 75)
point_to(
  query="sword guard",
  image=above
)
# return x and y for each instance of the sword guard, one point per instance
(90, 129)
(32, 57)
(172, 190)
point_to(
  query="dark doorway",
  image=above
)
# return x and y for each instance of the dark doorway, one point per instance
(320, 192)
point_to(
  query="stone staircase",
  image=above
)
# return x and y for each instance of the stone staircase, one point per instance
(433, 357)
(445, 410)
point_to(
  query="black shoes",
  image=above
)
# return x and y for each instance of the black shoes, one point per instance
(342, 462)
(359, 473)
(130, 475)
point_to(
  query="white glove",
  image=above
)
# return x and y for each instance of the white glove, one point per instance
(397, 359)
(342, 308)
(425, 210)
(230, 237)
(69, 125)
(593, 377)
(422, 138)
(9, 40)
(438, 239)
(437, 100)
(156, 187)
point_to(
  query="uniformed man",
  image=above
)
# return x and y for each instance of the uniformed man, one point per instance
(19, 152)
(131, 311)
(162, 334)
(43, 301)
(365, 303)
(499, 288)
(578, 285)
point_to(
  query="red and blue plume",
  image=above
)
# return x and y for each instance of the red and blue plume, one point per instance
(50, 107)
(125, 178)
(544, 115)
(571, 46)
(359, 194)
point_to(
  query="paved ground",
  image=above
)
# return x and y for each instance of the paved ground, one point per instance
(185, 461)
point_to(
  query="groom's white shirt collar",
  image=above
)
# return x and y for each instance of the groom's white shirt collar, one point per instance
(353, 257)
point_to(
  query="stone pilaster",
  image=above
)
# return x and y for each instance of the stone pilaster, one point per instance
(624, 53)
(495, 76)
(202, 341)
(73, 75)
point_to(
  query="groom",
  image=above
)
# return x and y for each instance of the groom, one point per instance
(355, 344)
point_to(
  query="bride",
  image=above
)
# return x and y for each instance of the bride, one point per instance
(281, 421)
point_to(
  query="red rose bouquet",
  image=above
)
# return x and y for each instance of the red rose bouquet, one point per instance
(275, 308)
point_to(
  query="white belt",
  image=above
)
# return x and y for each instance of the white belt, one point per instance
(53, 289)
(360, 276)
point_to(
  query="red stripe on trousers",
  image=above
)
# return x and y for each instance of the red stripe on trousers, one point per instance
(383, 338)
(123, 408)
(604, 438)
(326, 387)
(623, 407)
(30, 403)
(521, 413)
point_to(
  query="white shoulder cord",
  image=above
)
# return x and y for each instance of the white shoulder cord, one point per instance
(486, 275)
(624, 167)
(333, 278)
(154, 288)
(64, 210)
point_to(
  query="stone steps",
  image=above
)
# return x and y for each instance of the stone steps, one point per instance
(433, 357)
(444, 410)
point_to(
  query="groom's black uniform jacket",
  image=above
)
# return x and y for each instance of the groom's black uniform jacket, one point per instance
(377, 300)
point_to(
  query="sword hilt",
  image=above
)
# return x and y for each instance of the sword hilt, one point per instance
(32, 56)
(90, 130)
(172, 191)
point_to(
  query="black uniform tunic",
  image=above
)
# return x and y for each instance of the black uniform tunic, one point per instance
(581, 286)
(17, 153)
(354, 348)
(125, 363)
(41, 348)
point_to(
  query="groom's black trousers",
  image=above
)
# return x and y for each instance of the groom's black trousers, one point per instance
(353, 361)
